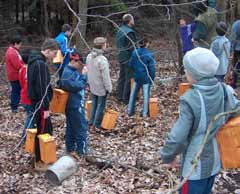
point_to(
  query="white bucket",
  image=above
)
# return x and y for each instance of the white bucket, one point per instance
(61, 169)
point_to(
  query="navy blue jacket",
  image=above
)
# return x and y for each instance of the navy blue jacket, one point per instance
(139, 70)
(74, 83)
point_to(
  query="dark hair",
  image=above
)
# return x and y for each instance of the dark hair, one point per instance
(76, 56)
(66, 27)
(143, 42)
(15, 39)
(50, 44)
(127, 18)
(221, 28)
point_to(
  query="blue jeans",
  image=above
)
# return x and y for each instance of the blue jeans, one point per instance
(76, 131)
(202, 186)
(15, 95)
(97, 110)
(123, 83)
(133, 96)
(28, 125)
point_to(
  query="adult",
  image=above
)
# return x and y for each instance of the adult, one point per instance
(62, 40)
(14, 63)
(125, 40)
(206, 22)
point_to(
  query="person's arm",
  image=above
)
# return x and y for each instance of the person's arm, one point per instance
(132, 41)
(43, 81)
(73, 82)
(200, 33)
(151, 65)
(16, 60)
(104, 68)
(177, 140)
(215, 48)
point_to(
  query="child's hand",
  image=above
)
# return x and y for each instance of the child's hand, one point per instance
(173, 164)
(84, 70)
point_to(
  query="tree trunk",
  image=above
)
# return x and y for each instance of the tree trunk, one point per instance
(16, 11)
(46, 30)
(23, 11)
(82, 6)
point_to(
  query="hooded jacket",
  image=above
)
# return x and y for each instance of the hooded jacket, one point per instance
(198, 106)
(38, 76)
(98, 73)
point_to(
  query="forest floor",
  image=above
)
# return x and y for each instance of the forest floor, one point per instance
(134, 142)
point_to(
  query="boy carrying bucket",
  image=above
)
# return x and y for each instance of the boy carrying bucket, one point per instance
(74, 81)
(40, 92)
(206, 98)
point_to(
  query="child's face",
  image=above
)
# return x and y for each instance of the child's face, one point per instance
(189, 78)
(50, 54)
(77, 64)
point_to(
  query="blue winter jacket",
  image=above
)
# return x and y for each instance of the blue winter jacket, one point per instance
(186, 36)
(235, 36)
(62, 40)
(74, 83)
(139, 69)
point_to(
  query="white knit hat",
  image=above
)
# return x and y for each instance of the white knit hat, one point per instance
(200, 63)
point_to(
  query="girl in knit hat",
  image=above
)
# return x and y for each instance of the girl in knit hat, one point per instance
(206, 98)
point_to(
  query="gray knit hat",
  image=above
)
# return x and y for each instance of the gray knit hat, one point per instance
(200, 63)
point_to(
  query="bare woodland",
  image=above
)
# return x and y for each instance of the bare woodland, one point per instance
(127, 158)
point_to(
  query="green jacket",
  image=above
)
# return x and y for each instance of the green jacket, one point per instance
(125, 41)
(206, 27)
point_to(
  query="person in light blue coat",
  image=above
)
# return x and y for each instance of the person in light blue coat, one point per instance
(221, 48)
(206, 98)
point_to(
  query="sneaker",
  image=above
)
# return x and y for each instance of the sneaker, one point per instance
(40, 166)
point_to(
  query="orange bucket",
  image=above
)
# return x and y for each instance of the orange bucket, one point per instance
(153, 107)
(47, 148)
(58, 59)
(109, 119)
(88, 106)
(30, 140)
(59, 101)
(183, 87)
(140, 91)
(228, 138)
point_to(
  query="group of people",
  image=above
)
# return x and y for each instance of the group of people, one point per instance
(205, 62)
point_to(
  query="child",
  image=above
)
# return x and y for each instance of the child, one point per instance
(186, 31)
(221, 48)
(74, 81)
(143, 73)
(99, 80)
(40, 91)
(13, 65)
(62, 39)
(198, 106)
(25, 101)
